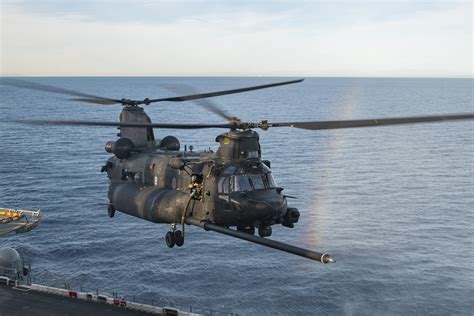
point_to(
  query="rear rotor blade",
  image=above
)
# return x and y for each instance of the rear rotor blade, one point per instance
(224, 92)
(320, 125)
(204, 103)
(90, 98)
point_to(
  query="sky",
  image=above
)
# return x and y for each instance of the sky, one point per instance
(237, 38)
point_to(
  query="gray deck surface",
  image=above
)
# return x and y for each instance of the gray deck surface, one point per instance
(15, 302)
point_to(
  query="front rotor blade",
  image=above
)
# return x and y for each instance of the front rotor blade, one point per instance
(224, 92)
(373, 122)
(96, 101)
(90, 98)
(119, 124)
(318, 125)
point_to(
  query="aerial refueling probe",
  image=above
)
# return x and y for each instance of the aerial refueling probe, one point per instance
(313, 255)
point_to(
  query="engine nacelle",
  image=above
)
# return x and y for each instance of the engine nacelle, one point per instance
(121, 148)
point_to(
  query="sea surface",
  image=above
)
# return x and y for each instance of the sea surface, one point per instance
(393, 205)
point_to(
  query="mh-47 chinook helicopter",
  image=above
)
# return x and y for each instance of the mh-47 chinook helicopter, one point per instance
(155, 180)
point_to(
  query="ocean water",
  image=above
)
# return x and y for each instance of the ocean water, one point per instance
(393, 205)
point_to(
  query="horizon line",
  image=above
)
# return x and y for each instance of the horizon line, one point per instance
(236, 76)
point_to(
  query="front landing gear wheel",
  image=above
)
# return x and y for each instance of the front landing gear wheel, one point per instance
(110, 210)
(170, 239)
(265, 231)
(178, 236)
(246, 229)
(250, 230)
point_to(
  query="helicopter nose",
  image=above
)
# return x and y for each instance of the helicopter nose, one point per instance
(259, 205)
(265, 206)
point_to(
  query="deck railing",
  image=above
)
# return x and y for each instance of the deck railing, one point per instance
(152, 301)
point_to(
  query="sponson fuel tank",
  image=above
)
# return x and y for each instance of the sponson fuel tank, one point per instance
(150, 186)
(153, 204)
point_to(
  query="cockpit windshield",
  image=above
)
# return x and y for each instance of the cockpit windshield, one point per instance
(235, 180)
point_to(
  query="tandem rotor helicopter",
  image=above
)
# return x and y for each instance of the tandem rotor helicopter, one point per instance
(155, 180)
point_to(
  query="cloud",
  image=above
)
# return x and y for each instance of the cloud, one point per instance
(435, 42)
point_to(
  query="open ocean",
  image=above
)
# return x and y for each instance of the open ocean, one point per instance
(393, 205)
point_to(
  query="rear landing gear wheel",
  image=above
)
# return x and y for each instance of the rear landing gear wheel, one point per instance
(178, 236)
(170, 239)
(110, 210)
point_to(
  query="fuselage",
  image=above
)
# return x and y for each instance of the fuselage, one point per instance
(154, 180)
(151, 185)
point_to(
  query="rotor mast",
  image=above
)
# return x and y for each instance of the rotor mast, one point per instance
(141, 137)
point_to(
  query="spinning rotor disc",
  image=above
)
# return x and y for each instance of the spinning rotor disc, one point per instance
(233, 122)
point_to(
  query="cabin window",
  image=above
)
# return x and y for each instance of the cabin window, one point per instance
(241, 183)
(235, 180)
(252, 154)
(248, 182)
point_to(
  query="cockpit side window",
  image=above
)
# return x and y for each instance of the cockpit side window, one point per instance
(257, 181)
(268, 175)
(224, 186)
(270, 180)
